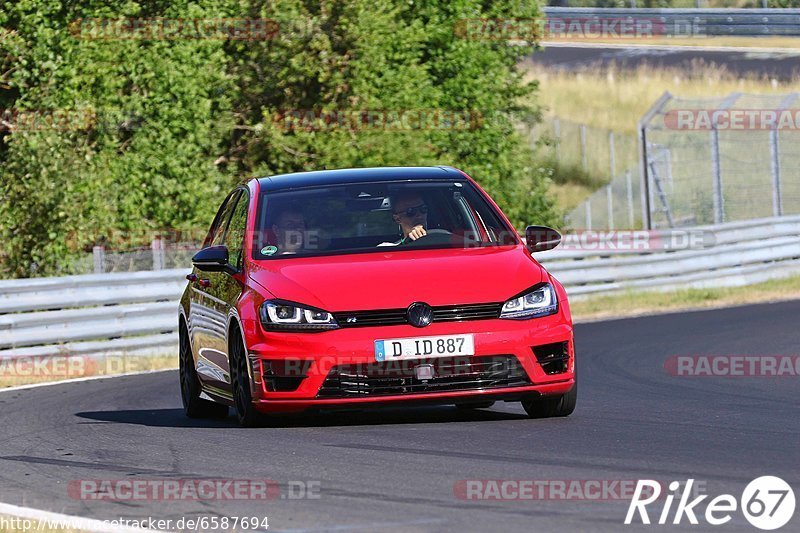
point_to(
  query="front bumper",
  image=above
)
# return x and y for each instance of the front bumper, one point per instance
(314, 355)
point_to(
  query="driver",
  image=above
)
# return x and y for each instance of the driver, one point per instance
(410, 212)
(289, 228)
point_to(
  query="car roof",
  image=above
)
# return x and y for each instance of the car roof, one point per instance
(357, 175)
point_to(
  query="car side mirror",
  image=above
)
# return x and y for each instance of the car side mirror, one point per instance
(541, 238)
(213, 259)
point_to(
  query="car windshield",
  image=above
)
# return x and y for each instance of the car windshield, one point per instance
(376, 217)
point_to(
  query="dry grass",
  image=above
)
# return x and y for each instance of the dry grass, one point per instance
(610, 99)
(57, 368)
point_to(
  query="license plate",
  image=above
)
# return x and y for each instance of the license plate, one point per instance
(419, 347)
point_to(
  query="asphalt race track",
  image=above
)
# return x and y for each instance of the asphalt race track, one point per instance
(395, 470)
(756, 63)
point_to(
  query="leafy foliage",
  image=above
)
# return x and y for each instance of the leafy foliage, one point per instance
(173, 124)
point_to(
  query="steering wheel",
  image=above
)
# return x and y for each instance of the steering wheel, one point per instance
(433, 237)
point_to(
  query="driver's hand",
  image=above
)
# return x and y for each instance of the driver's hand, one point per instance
(417, 232)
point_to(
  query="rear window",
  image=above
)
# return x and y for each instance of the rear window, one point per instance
(375, 217)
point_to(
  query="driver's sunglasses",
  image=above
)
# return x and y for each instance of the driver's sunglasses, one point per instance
(412, 211)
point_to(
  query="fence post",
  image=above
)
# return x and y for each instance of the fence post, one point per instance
(775, 168)
(716, 170)
(612, 154)
(588, 211)
(584, 160)
(610, 200)
(775, 161)
(157, 246)
(99, 256)
(557, 133)
(719, 209)
(647, 221)
(629, 191)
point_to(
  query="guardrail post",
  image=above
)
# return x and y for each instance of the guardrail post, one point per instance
(99, 256)
(157, 246)
(610, 199)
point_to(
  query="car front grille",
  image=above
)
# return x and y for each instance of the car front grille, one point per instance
(394, 317)
(399, 377)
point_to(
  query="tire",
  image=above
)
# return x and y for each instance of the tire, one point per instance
(193, 405)
(555, 406)
(476, 405)
(246, 413)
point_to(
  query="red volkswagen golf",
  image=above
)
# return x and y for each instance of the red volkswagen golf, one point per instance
(350, 288)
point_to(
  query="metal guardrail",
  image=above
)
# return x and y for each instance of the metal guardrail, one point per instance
(696, 21)
(131, 312)
(736, 254)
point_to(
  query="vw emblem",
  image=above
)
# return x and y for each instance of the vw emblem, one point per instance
(420, 314)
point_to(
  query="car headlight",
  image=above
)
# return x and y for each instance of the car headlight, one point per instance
(281, 315)
(539, 301)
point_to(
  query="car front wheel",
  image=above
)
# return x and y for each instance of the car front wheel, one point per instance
(552, 406)
(246, 413)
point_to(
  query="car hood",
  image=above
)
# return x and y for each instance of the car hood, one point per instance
(393, 280)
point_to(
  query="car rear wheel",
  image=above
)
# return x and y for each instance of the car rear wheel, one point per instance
(552, 406)
(246, 413)
(193, 405)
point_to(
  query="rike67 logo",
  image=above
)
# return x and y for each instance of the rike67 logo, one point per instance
(767, 503)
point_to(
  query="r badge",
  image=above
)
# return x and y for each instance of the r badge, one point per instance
(424, 372)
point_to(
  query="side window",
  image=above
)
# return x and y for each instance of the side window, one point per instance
(222, 220)
(234, 237)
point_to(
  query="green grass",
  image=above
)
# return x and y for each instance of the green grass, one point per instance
(634, 303)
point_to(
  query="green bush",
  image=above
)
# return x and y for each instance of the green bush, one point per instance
(175, 123)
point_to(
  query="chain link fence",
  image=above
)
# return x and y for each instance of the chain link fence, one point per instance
(599, 159)
(161, 255)
(716, 160)
(614, 206)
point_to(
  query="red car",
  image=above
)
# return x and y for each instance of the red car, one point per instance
(351, 288)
